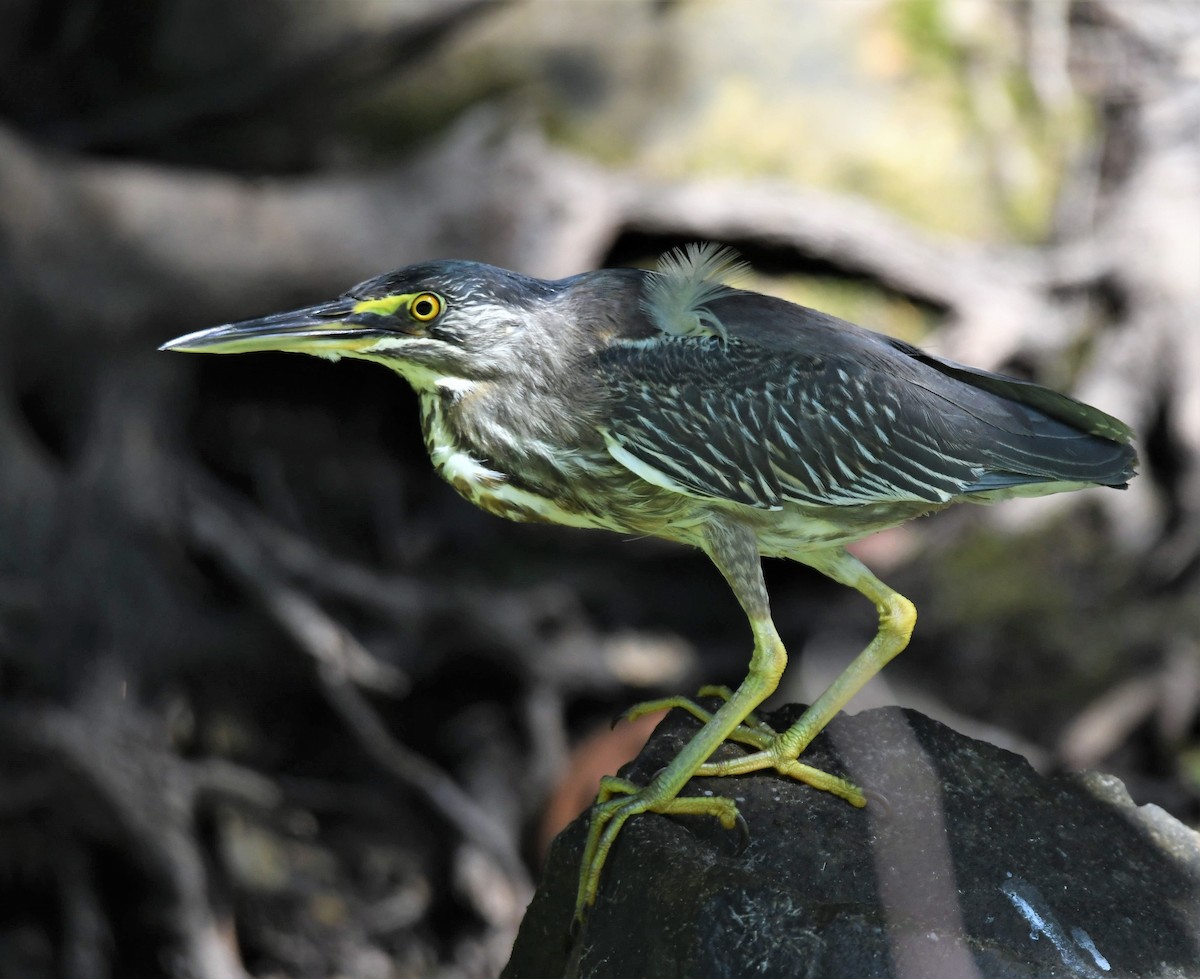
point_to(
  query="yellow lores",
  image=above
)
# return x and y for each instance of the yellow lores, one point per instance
(667, 403)
(423, 307)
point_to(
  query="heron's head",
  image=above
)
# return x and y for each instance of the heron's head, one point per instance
(435, 323)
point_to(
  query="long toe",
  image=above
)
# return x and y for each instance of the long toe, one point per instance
(773, 755)
(610, 814)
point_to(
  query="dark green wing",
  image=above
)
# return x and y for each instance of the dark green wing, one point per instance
(800, 407)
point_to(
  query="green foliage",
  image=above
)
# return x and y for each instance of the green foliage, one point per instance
(922, 26)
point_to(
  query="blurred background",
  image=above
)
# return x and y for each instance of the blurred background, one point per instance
(274, 700)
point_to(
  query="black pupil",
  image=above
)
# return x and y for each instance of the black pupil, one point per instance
(424, 307)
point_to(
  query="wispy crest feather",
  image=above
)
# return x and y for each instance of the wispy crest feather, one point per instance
(687, 278)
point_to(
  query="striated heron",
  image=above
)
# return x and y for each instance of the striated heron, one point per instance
(670, 404)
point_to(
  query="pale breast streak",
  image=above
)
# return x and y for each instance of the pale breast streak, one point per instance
(488, 488)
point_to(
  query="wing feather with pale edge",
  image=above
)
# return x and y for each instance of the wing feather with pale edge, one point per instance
(819, 411)
(721, 420)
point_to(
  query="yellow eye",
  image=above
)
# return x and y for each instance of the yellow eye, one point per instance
(425, 307)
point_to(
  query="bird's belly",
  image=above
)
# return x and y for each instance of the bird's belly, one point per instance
(785, 532)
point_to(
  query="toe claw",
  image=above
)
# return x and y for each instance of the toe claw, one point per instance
(743, 829)
(878, 803)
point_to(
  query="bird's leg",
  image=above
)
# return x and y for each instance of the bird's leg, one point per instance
(897, 616)
(734, 549)
(737, 558)
(756, 725)
(752, 731)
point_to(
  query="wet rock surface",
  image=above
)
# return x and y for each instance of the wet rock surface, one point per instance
(965, 863)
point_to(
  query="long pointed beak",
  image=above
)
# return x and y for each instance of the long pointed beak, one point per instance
(329, 329)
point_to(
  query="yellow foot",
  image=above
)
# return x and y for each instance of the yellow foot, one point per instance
(774, 750)
(619, 799)
(773, 756)
(781, 751)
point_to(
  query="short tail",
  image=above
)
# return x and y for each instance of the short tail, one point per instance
(1047, 437)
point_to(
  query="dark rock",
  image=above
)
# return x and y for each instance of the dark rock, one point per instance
(966, 863)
